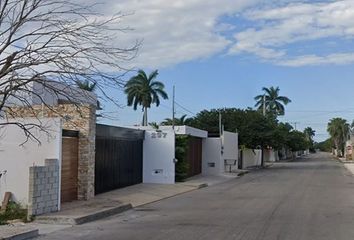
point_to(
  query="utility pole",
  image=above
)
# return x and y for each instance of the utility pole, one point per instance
(295, 124)
(220, 124)
(264, 105)
(264, 113)
(173, 108)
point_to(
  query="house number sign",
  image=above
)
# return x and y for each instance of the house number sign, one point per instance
(158, 135)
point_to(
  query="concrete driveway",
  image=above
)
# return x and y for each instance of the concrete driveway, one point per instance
(312, 198)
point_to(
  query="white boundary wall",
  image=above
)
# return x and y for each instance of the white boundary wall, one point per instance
(251, 158)
(158, 157)
(15, 160)
(230, 145)
(269, 155)
(212, 163)
(217, 150)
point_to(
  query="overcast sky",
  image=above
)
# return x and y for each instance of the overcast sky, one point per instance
(220, 53)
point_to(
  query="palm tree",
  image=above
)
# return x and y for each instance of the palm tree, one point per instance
(310, 133)
(154, 125)
(352, 127)
(178, 121)
(143, 90)
(339, 130)
(86, 85)
(90, 87)
(274, 103)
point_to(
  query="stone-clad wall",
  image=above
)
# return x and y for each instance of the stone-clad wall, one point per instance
(44, 193)
(80, 118)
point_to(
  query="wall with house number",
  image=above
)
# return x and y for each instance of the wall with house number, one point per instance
(158, 156)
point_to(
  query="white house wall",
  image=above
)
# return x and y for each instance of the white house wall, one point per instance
(186, 130)
(212, 163)
(158, 157)
(15, 160)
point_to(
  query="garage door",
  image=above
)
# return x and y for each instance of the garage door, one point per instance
(194, 156)
(119, 158)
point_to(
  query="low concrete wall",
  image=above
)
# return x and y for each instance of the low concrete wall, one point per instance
(218, 150)
(269, 156)
(212, 163)
(16, 159)
(251, 158)
(44, 188)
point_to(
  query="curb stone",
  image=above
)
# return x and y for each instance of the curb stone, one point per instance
(17, 234)
(78, 220)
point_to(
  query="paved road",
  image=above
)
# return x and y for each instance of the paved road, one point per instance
(307, 199)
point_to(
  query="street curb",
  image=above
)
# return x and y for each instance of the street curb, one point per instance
(203, 185)
(68, 220)
(196, 187)
(25, 234)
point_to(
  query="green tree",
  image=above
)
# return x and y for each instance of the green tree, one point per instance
(178, 121)
(281, 134)
(297, 141)
(310, 133)
(182, 166)
(274, 104)
(255, 130)
(325, 146)
(143, 90)
(339, 130)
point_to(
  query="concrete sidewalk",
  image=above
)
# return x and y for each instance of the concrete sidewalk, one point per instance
(117, 201)
(17, 232)
(349, 167)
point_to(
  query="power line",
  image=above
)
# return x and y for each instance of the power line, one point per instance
(184, 108)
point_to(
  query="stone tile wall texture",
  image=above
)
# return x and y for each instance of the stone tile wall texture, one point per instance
(75, 117)
(44, 188)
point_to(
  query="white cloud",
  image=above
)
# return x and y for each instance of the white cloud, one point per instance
(175, 31)
(183, 30)
(307, 60)
(278, 27)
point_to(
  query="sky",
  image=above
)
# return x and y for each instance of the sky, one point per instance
(221, 53)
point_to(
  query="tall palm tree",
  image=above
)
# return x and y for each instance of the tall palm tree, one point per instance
(143, 90)
(274, 103)
(310, 133)
(178, 121)
(352, 127)
(339, 130)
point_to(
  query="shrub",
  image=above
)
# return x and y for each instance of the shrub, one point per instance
(182, 165)
(13, 211)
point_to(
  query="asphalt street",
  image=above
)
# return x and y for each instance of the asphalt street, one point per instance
(310, 198)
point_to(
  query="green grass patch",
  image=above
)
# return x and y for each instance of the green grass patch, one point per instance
(13, 211)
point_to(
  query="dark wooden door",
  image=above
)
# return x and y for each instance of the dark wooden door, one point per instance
(194, 156)
(119, 163)
(69, 169)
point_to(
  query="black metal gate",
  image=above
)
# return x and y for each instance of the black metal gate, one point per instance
(119, 157)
